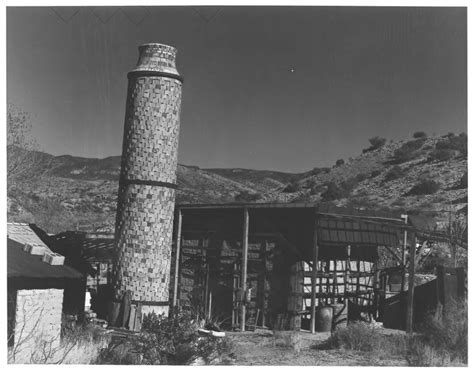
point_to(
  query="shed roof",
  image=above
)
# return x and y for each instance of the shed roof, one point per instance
(23, 233)
(29, 271)
(20, 264)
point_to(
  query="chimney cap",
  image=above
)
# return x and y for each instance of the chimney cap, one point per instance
(156, 57)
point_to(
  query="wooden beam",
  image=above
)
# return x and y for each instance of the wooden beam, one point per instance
(346, 280)
(314, 275)
(411, 285)
(178, 252)
(245, 248)
(404, 249)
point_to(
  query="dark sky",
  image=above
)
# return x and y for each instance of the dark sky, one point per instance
(283, 88)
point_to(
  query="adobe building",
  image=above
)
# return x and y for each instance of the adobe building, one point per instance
(40, 289)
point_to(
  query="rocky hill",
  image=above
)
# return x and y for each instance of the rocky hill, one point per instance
(421, 175)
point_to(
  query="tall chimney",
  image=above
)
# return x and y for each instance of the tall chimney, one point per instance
(146, 199)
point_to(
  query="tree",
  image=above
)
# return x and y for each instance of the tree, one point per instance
(339, 162)
(21, 146)
(456, 230)
(419, 134)
(375, 143)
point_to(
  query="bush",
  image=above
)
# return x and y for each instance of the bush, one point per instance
(419, 134)
(360, 336)
(376, 143)
(172, 340)
(443, 339)
(408, 150)
(425, 187)
(395, 172)
(375, 173)
(441, 155)
(340, 162)
(440, 341)
(463, 181)
(336, 192)
(246, 196)
(333, 192)
(292, 188)
(361, 177)
(454, 143)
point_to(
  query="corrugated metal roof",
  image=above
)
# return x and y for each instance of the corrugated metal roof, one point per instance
(341, 232)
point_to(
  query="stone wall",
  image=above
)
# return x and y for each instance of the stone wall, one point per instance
(37, 322)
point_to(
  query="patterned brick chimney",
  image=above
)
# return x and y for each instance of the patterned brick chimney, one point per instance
(146, 199)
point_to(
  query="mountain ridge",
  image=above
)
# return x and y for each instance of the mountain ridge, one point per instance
(65, 192)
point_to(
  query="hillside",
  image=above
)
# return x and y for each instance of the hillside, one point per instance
(423, 175)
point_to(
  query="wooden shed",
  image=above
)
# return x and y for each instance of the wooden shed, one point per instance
(273, 265)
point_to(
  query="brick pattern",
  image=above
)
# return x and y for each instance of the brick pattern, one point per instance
(156, 57)
(37, 319)
(144, 223)
(144, 230)
(150, 146)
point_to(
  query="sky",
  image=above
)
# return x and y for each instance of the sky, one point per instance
(277, 88)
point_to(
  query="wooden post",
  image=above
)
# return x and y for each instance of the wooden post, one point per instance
(314, 275)
(411, 285)
(178, 252)
(346, 279)
(404, 260)
(245, 248)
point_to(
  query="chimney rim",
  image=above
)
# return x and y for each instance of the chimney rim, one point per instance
(145, 45)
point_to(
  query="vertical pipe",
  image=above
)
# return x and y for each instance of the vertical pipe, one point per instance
(245, 247)
(314, 274)
(178, 253)
(411, 285)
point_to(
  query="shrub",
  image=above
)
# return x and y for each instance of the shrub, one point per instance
(463, 181)
(333, 192)
(375, 173)
(172, 340)
(425, 187)
(419, 134)
(443, 339)
(375, 143)
(395, 172)
(316, 171)
(408, 150)
(246, 196)
(340, 162)
(292, 188)
(440, 155)
(455, 143)
(361, 177)
(349, 184)
(360, 336)
(78, 345)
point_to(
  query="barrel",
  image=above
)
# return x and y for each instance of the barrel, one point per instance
(323, 319)
(339, 315)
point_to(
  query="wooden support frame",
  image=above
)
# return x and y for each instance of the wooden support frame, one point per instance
(404, 260)
(245, 248)
(314, 273)
(178, 253)
(411, 285)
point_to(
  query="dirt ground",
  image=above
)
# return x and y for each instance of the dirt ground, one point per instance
(294, 348)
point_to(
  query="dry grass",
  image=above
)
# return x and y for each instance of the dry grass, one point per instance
(79, 346)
